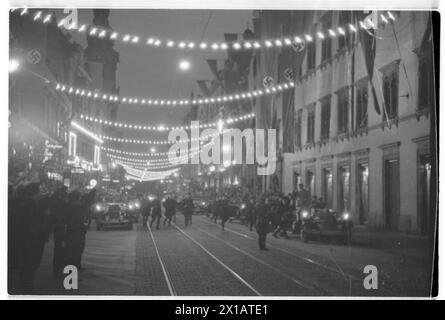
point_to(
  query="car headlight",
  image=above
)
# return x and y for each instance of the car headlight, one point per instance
(203, 203)
(345, 216)
(137, 205)
(304, 214)
(98, 207)
(243, 206)
(131, 207)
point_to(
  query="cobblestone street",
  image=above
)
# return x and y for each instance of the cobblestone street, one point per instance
(203, 260)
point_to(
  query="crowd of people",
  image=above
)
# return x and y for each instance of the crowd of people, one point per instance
(271, 212)
(37, 209)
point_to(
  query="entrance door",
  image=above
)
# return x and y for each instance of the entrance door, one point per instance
(343, 189)
(310, 182)
(424, 195)
(363, 193)
(327, 187)
(391, 194)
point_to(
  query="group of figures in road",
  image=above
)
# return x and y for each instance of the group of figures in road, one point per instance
(151, 209)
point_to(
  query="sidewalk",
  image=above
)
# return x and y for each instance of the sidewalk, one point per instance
(109, 265)
(411, 245)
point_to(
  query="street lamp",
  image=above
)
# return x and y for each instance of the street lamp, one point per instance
(13, 65)
(184, 65)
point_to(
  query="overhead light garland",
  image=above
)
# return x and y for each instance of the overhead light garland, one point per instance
(149, 167)
(161, 127)
(145, 153)
(156, 42)
(137, 141)
(98, 95)
(152, 163)
(144, 173)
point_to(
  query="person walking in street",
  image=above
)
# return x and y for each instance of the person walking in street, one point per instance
(188, 207)
(156, 213)
(145, 210)
(250, 214)
(262, 222)
(170, 205)
(282, 218)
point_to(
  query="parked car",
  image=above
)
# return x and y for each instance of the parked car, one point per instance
(324, 224)
(113, 218)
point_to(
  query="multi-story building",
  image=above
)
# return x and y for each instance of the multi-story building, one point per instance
(362, 110)
(45, 122)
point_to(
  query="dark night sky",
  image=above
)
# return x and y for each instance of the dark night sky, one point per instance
(144, 71)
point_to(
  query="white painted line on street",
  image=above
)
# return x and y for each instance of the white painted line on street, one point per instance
(164, 269)
(301, 284)
(220, 262)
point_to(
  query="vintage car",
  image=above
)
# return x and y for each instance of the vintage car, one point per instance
(322, 224)
(113, 218)
(132, 211)
(201, 206)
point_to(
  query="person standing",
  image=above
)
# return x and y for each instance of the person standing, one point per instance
(76, 230)
(188, 208)
(262, 222)
(156, 213)
(34, 232)
(59, 220)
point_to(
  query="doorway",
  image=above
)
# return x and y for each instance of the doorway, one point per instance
(343, 188)
(327, 187)
(391, 184)
(310, 182)
(363, 192)
(424, 194)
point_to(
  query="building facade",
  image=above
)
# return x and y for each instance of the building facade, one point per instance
(45, 125)
(362, 111)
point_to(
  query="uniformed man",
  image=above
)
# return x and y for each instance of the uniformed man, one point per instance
(262, 222)
(156, 213)
(170, 205)
(188, 207)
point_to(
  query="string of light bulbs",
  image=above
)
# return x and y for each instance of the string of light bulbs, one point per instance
(161, 127)
(142, 154)
(157, 42)
(149, 167)
(157, 142)
(153, 162)
(146, 173)
(98, 95)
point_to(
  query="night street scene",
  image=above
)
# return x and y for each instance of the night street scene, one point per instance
(223, 153)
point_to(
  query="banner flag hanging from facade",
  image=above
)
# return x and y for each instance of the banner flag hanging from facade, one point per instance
(367, 39)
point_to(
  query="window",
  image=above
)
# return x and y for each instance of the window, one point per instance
(426, 83)
(345, 18)
(96, 155)
(390, 90)
(362, 104)
(310, 55)
(72, 144)
(325, 117)
(326, 24)
(342, 111)
(298, 128)
(310, 125)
